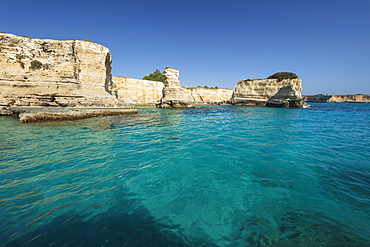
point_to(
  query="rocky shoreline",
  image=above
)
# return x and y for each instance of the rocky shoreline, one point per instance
(37, 113)
(43, 79)
(325, 98)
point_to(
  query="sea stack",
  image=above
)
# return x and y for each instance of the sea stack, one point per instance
(41, 76)
(286, 97)
(258, 92)
(173, 95)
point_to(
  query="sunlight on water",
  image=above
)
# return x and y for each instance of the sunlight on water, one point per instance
(206, 176)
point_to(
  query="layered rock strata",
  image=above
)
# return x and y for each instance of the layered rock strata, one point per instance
(259, 91)
(52, 73)
(324, 98)
(286, 97)
(173, 95)
(200, 95)
(137, 91)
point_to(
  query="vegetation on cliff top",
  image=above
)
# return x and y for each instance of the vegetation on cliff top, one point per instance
(155, 76)
(283, 75)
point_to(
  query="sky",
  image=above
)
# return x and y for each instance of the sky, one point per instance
(214, 43)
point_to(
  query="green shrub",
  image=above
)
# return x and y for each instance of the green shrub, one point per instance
(283, 75)
(155, 76)
(36, 65)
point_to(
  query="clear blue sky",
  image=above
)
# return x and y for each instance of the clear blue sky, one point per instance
(214, 43)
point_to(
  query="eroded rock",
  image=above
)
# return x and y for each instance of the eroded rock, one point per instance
(173, 95)
(286, 97)
(54, 73)
(259, 91)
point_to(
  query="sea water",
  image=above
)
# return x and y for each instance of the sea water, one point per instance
(205, 176)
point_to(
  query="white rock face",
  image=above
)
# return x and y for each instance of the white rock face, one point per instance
(43, 72)
(259, 91)
(138, 91)
(171, 77)
(200, 95)
(173, 95)
(286, 97)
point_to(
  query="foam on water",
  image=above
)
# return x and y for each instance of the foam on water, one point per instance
(206, 176)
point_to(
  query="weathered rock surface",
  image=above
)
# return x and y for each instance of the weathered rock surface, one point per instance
(138, 91)
(174, 95)
(259, 91)
(53, 73)
(200, 95)
(324, 98)
(40, 113)
(286, 97)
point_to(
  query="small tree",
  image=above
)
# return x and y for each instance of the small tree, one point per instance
(36, 65)
(283, 75)
(155, 76)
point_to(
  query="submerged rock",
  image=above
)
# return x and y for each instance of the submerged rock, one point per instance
(286, 97)
(174, 95)
(36, 114)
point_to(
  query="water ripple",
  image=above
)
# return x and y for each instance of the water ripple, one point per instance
(206, 176)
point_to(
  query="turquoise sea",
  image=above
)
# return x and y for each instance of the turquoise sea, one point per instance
(206, 176)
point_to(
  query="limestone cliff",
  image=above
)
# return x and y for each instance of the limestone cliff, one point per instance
(259, 91)
(138, 91)
(43, 72)
(286, 97)
(173, 96)
(324, 98)
(200, 95)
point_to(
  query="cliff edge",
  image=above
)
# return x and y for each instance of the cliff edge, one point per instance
(38, 73)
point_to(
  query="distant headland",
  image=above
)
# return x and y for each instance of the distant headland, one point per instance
(325, 98)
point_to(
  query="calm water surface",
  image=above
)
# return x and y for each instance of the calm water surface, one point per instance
(207, 176)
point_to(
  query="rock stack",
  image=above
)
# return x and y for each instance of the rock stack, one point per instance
(260, 91)
(173, 95)
(286, 97)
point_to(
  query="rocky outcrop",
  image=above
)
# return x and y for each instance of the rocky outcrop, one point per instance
(259, 91)
(286, 97)
(173, 95)
(200, 95)
(138, 91)
(53, 73)
(324, 98)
